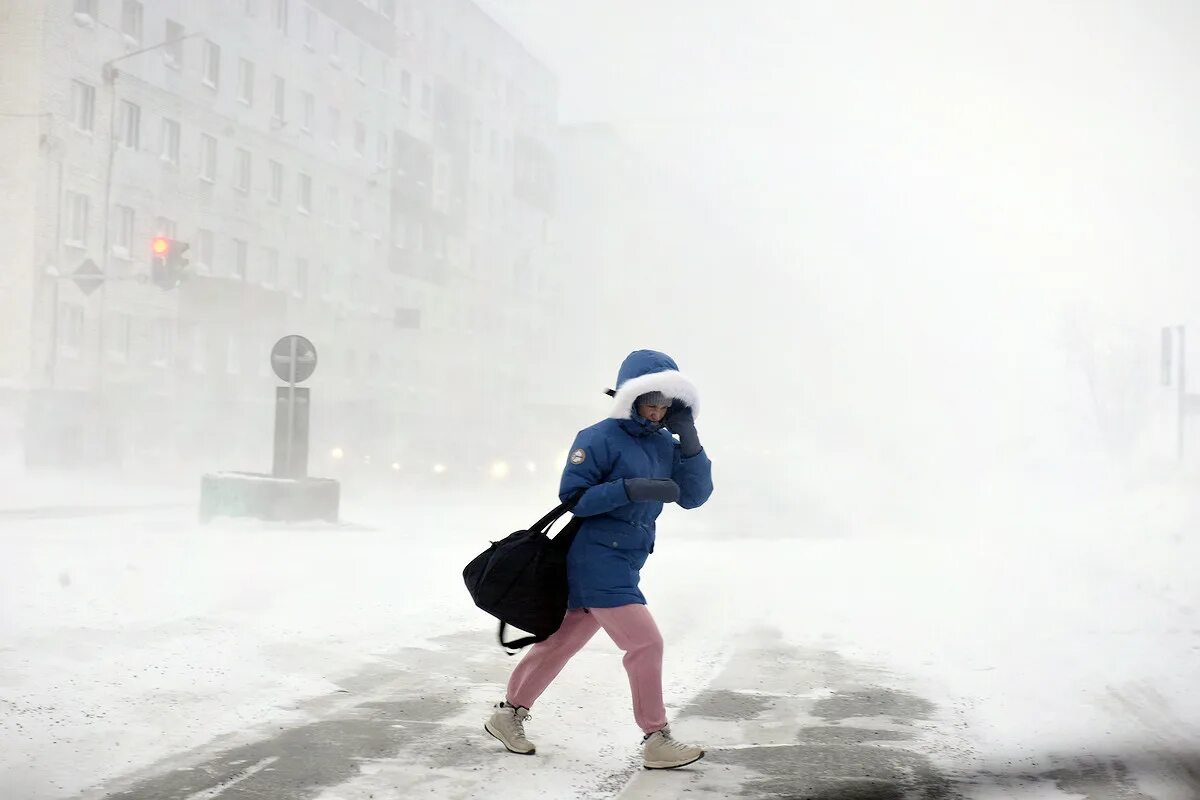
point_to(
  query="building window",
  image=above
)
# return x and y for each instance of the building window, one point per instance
(335, 48)
(361, 65)
(85, 10)
(241, 255)
(360, 138)
(476, 135)
(204, 251)
(333, 212)
(441, 189)
(301, 288)
(70, 328)
(241, 180)
(169, 145)
(208, 158)
(275, 190)
(310, 111)
(356, 214)
(161, 341)
(270, 267)
(129, 123)
(381, 150)
(211, 68)
(279, 13)
(304, 194)
(78, 211)
(251, 7)
(233, 354)
(494, 145)
(199, 357)
(173, 52)
(246, 81)
(406, 88)
(426, 99)
(120, 337)
(123, 234)
(131, 21)
(310, 28)
(279, 101)
(400, 234)
(335, 126)
(83, 106)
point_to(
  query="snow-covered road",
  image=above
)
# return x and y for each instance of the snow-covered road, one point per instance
(145, 656)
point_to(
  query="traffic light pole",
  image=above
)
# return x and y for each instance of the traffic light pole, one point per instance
(108, 72)
(110, 78)
(1183, 398)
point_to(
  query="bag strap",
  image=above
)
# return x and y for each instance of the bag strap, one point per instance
(516, 644)
(545, 523)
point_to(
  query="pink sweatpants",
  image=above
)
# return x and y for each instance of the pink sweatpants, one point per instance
(631, 628)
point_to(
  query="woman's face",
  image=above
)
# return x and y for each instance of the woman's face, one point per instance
(653, 413)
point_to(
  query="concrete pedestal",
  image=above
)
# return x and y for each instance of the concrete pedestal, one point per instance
(249, 494)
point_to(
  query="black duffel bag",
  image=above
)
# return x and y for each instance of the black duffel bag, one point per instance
(522, 579)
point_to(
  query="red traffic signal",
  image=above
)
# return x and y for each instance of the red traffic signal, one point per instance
(168, 266)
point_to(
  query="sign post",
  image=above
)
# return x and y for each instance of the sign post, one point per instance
(1183, 395)
(288, 493)
(293, 359)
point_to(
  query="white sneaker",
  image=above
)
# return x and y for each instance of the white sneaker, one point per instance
(508, 725)
(663, 751)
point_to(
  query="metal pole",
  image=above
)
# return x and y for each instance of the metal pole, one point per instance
(1182, 404)
(52, 356)
(291, 423)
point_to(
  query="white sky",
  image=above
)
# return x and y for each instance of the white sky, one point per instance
(941, 184)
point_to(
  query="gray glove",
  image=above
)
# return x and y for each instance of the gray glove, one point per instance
(680, 422)
(651, 490)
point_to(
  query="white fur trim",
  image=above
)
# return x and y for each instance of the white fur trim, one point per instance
(671, 383)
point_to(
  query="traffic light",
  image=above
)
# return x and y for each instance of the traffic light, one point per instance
(168, 266)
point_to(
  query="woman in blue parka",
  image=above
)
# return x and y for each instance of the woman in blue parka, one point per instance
(622, 470)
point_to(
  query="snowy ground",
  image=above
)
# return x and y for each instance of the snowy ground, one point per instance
(1041, 654)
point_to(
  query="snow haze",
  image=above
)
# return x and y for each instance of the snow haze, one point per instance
(920, 260)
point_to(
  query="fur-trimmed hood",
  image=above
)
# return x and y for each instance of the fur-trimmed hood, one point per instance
(651, 371)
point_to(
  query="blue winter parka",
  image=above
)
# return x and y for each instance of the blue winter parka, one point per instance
(617, 536)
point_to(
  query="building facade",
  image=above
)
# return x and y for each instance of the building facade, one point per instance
(377, 176)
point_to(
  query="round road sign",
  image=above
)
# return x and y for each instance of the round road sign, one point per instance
(293, 358)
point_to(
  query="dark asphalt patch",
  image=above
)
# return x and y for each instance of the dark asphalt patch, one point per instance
(406, 699)
(876, 701)
(836, 771)
(769, 694)
(307, 759)
(721, 704)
